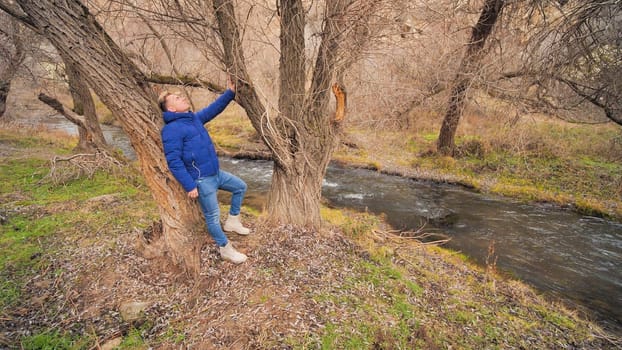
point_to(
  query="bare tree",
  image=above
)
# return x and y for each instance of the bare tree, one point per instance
(303, 135)
(75, 33)
(17, 47)
(85, 142)
(557, 57)
(12, 55)
(468, 67)
(576, 59)
(408, 72)
(317, 42)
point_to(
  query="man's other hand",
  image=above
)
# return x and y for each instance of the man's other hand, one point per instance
(193, 194)
(231, 82)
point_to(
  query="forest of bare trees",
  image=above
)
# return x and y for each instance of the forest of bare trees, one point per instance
(392, 59)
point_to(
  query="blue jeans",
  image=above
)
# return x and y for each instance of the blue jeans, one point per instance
(208, 188)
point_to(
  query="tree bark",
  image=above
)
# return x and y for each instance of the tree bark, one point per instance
(15, 58)
(5, 87)
(185, 81)
(292, 60)
(77, 35)
(90, 135)
(468, 67)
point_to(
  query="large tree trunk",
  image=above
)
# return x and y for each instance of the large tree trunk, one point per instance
(298, 196)
(77, 35)
(468, 67)
(304, 134)
(90, 134)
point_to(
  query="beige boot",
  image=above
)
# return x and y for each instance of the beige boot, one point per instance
(233, 224)
(229, 253)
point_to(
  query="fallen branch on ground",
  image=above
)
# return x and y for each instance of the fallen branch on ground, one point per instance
(418, 236)
(79, 165)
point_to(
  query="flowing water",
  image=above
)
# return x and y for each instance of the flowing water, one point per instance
(575, 257)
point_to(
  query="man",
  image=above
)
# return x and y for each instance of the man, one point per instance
(192, 160)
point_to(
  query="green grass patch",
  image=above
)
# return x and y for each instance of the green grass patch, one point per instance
(84, 188)
(174, 335)
(596, 163)
(352, 336)
(26, 175)
(17, 174)
(54, 340)
(9, 292)
(351, 223)
(414, 288)
(133, 341)
(388, 304)
(231, 129)
(19, 239)
(430, 137)
(556, 318)
(538, 177)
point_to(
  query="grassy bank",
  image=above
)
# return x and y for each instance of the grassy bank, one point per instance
(71, 262)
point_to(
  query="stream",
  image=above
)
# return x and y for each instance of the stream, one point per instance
(561, 253)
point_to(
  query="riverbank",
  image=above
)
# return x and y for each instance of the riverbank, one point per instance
(536, 159)
(73, 269)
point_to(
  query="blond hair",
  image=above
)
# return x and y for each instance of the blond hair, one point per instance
(162, 99)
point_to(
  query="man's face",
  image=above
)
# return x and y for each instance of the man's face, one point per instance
(176, 103)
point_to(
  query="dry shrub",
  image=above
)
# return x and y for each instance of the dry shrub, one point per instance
(611, 150)
(615, 150)
(524, 138)
(425, 120)
(503, 127)
(471, 148)
(548, 137)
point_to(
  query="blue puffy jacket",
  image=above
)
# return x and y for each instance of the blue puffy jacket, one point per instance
(188, 148)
